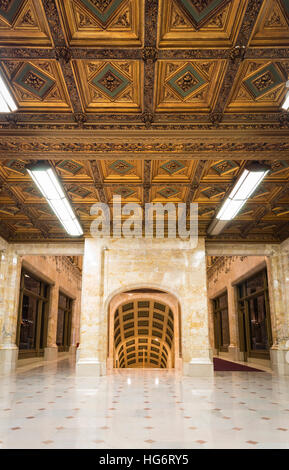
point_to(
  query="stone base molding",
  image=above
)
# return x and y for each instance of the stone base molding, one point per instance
(198, 368)
(51, 353)
(8, 359)
(280, 360)
(72, 350)
(90, 368)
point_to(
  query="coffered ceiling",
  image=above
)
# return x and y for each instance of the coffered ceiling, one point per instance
(25, 215)
(156, 100)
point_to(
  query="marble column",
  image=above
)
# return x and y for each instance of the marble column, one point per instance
(197, 354)
(91, 355)
(278, 274)
(10, 272)
(73, 335)
(214, 351)
(51, 350)
(233, 349)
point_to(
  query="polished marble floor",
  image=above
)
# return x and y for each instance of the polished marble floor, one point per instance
(49, 407)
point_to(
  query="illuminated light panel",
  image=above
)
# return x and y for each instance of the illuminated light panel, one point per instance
(285, 104)
(246, 185)
(49, 185)
(7, 103)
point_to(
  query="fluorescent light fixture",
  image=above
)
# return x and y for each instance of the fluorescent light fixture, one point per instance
(246, 185)
(47, 181)
(285, 105)
(7, 103)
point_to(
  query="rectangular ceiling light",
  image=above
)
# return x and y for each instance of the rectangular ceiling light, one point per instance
(285, 104)
(47, 181)
(248, 182)
(7, 103)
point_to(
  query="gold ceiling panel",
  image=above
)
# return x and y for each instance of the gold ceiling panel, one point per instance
(211, 193)
(169, 193)
(111, 23)
(222, 170)
(27, 192)
(260, 86)
(187, 24)
(23, 22)
(128, 193)
(272, 26)
(191, 86)
(81, 192)
(109, 86)
(122, 170)
(37, 85)
(68, 170)
(172, 170)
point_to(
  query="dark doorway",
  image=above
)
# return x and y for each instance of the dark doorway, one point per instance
(254, 316)
(64, 322)
(221, 323)
(33, 316)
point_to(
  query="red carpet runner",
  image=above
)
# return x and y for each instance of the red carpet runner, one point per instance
(224, 365)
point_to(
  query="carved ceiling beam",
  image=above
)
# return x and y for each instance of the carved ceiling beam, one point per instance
(238, 53)
(98, 183)
(5, 231)
(137, 54)
(147, 180)
(213, 182)
(283, 231)
(258, 216)
(26, 53)
(195, 181)
(267, 53)
(173, 119)
(84, 155)
(54, 22)
(62, 52)
(174, 122)
(24, 208)
(71, 85)
(149, 55)
(283, 192)
(106, 54)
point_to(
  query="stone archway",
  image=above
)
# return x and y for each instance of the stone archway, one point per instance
(174, 268)
(144, 330)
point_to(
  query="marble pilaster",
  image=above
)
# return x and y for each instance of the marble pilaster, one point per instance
(91, 355)
(51, 350)
(278, 274)
(74, 326)
(10, 271)
(233, 323)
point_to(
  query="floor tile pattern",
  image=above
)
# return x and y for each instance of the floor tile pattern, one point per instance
(49, 407)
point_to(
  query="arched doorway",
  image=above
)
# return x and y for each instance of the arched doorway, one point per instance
(144, 331)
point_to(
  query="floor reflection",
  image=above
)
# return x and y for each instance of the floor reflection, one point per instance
(49, 407)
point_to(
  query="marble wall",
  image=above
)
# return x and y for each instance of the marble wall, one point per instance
(60, 274)
(113, 266)
(232, 270)
(223, 276)
(63, 277)
(10, 271)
